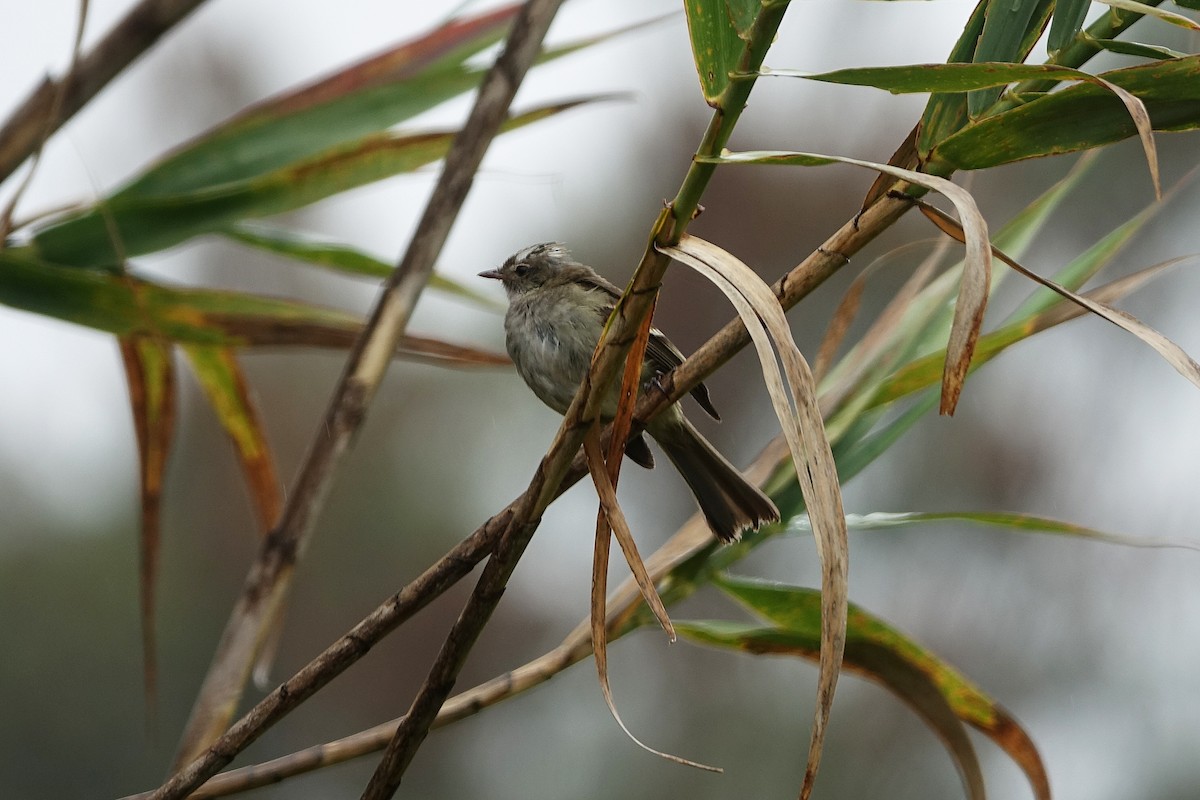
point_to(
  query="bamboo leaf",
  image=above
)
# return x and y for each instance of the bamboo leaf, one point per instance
(225, 386)
(611, 514)
(221, 378)
(804, 430)
(904, 680)
(144, 224)
(338, 257)
(1021, 523)
(716, 45)
(969, 77)
(150, 376)
(880, 652)
(1066, 23)
(1134, 48)
(913, 324)
(916, 78)
(1172, 353)
(363, 99)
(127, 306)
(1084, 266)
(349, 104)
(1078, 117)
(922, 372)
(973, 290)
(946, 113)
(1007, 26)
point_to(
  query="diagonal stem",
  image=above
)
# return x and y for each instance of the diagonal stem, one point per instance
(269, 580)
(791, 288)
(495, 95)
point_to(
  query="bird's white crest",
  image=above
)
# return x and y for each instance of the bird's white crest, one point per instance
(551, 250)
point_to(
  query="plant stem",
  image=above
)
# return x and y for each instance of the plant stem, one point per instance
(794, 286)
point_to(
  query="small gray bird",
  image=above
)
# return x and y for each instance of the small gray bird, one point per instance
(557, 308)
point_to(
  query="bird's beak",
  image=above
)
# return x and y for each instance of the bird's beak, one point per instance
(491, 273)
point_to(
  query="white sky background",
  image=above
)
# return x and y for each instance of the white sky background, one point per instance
(1116, 429)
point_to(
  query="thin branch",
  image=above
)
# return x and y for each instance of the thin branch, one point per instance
(495, 94)
(791, 288)
(577, 645)
(634, 305)
(41, 113)
(269, 580)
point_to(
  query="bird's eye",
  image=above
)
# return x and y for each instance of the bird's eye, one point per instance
(521, 270)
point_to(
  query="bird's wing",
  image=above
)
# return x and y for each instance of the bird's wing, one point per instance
(660, 352)
(664, 356)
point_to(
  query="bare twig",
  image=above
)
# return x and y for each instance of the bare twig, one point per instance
(270, 577)
(631, 309)
(495, 94)
(791, 288)
(37, 117)
(577, 645)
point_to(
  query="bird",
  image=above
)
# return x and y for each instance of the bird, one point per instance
(557, 309)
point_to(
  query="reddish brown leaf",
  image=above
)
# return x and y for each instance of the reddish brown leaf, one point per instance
(150, 376)
(221, 377)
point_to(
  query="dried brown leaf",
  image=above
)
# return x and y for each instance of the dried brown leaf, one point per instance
(150, 375)
(611, 514)
(1141, 120)
(804, 430)
(1172, 353)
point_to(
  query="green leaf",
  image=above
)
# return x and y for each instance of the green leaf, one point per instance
(127, 306)
(946, 113)
(352, 103)
(921, 373)
(1022, 523)
(861, 451)
(875, 649)
(128, 225)
(1078, 117)
(363, 99)
(940, 77)
(716, 44)
(1135, 48)
(338, 257)
(743, 13)
(903, 679)
(1008, 25)
(1066, 23)
(923, 324)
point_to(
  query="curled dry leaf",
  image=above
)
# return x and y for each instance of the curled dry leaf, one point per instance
(973, 291)
(804, 430)
(1174, 355)
(610, 513)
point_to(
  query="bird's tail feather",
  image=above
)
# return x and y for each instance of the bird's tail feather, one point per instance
(729, 502)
